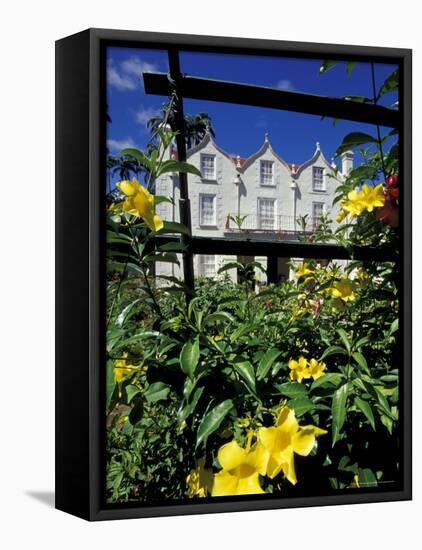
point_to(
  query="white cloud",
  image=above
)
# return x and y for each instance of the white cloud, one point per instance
(119, 81)
(116, 145)
(145, 113)
(136, 66)
(127, 75)
(285, 84)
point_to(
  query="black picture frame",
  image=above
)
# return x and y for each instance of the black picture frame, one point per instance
(80, 150)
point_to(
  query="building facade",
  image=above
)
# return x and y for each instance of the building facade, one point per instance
(261, 196)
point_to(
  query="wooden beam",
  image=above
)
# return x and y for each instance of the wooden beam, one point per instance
(260, 96)
(283, 249)
(184, 203)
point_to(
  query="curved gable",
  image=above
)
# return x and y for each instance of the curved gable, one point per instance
(265, 147)
(317, 156)
(208, 140)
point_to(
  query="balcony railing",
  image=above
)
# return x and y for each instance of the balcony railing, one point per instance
(257, 224)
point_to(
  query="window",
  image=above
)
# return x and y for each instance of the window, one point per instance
(318, 209)
(208, 167)
(206, 265)
(266, 168)
(207, 210)
(318, 183)
(266, 214)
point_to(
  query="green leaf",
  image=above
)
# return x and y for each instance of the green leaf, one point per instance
(354, 139)
(188, 409)
(174, 227)
(361, 361)
(328, 379)
(326, 65)
(391, 84)
(126, 313)
(266, 362)
(137, 411)
(241, 331)
(301, 405)
(131, 392)
(172, 247)
(394, 327)
(218, 316)
(212, 420)
(136, 154)
(230, 265)
(338, 411)
(332, 350)
(366, 409)
(345, 339)
(110, 382)
(367, 478)
(177, 166)
(292, 389)
(157, 391)
(350, 65)
(189, 356)
(246, 371)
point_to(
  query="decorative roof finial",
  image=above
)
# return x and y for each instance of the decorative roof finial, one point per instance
(318, 146)
(333, 163)
(266, 137)
(238, 165)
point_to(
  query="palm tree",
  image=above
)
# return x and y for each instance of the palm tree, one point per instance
(125, 166)
(195, 126)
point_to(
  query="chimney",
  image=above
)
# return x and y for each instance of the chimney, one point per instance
(346, 162)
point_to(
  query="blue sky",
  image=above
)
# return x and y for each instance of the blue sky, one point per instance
(239, 129)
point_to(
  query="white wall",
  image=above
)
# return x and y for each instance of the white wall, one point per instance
(27, 114)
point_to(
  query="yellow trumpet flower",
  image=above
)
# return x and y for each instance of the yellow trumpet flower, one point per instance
(241, 469)
(121, 369)
(200, 480)
(367, 199)
(285, 439)
(141, 203)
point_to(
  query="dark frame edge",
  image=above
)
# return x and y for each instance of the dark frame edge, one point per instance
(72, 418)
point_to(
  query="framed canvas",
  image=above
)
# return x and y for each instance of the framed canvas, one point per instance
(233, 274)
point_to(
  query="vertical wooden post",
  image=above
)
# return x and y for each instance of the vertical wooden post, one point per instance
(272, 269)
(184, 203)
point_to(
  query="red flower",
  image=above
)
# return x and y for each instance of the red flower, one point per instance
(389, 213)
(392, 181)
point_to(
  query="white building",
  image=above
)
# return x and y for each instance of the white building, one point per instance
(270, 192)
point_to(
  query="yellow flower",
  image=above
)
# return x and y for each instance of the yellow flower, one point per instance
(303, 369)
(200, 480)
(240, 470)
(299, 369)
(316, 368)
(372, 197)
(217, 338)
(303, 270)
(344, 289)
(341, 215)
(367, 198)
(141, 203)
(283, 440)
(363, 278)
(337, 304)
(121, 369)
